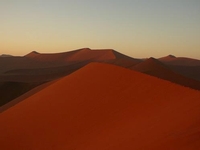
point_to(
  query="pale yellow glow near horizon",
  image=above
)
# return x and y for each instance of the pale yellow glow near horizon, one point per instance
(135, 28)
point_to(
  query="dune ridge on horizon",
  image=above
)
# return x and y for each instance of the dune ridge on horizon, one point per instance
(179, 61)
(119, 109)
(40, 68)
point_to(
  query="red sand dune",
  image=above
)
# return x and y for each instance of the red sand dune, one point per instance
(79, 55)
(40, 68)
(180, 61)
(155, 68)
(51, 57)
(105, 107)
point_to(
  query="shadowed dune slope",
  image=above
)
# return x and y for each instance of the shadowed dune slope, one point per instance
(105, 107)
(21, 96)
(180, 61)
(155, 68)
(15, 62)
(189, 71)
(41, 74)
(11, 90)
(186, 66)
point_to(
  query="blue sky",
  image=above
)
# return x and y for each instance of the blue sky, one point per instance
(139, 28)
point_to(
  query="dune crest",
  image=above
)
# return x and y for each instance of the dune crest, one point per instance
(168, 58)
(32, 54)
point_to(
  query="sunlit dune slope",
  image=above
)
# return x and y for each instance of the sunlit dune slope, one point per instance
(105, 107)
(155, 68)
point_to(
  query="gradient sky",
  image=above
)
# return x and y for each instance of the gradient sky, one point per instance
(139, 28)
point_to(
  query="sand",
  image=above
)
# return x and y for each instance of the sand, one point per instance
(155, 68)
(180, 61)
(105, 107)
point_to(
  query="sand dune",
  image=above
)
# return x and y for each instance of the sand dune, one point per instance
(123, 62)
(78, 55)
(105, 107)
(155, 68)
(75, 55)
(186, 66)
(189, 71)
(40, 68)
(180, 61)
(168, 58)
(37, 64)
(36, 67)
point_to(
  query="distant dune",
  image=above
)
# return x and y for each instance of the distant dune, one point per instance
(188, 71)
(77, 55)
(35, 60)
(186, 66)
(167, 58)
(180, 61)
(155, 68)
(105, 107)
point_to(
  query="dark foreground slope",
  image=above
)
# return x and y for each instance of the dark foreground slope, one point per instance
(105, 107)
(11, 90)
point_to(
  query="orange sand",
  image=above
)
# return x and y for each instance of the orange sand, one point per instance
(105, 107)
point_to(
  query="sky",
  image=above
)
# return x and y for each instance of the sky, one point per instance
(138, 28)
